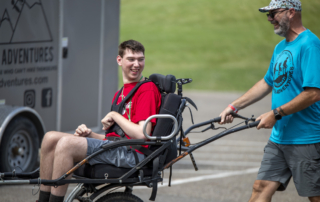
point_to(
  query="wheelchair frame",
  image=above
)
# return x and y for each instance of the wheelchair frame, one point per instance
(86, 185)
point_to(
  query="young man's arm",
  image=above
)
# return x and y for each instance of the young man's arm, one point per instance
(84, 131)
(135, 131)
(256, 93)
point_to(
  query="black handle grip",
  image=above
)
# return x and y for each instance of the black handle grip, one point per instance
(218, 119)
(254, 124)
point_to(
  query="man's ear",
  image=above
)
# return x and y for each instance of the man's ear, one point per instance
(119, 60)
(292, 13)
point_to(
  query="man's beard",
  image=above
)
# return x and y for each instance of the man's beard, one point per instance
(284, 25)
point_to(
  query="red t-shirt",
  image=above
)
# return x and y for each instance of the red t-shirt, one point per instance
(146, 102)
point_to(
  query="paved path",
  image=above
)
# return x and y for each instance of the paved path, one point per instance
(227, 167)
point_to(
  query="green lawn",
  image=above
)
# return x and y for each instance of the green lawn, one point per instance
(222, 45)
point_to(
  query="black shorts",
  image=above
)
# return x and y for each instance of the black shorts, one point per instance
(302, 162)
(120, 156)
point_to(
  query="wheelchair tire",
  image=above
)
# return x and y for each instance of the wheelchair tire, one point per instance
(119, 197)
(19, 146)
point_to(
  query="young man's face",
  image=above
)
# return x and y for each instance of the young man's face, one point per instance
(132, 65)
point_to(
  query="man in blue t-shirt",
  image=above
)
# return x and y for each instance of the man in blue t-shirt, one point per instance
(293, 78)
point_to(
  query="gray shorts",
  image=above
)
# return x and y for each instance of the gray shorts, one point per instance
(302, 162)
(120, 157)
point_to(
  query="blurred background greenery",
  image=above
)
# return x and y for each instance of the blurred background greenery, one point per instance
(222, 45)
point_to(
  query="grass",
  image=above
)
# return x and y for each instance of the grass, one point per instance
(221, 45)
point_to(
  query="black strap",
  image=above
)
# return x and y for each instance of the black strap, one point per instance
(154, 179)
(162, 158)
(114, 104)
(142, 149)
(135, 156)
(118, 108)
(113, 138)
(170, 175)
(122, 103)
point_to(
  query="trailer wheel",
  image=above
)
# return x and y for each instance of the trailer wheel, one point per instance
(19, 146)
(119, 197)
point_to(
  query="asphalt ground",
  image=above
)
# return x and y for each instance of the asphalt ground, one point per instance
(227, 166)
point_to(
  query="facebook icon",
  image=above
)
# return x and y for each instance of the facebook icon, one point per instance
(46, 96)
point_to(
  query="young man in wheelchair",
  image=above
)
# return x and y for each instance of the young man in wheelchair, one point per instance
(59, 151)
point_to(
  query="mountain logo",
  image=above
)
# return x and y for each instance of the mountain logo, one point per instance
(24, 21)
(283, 71)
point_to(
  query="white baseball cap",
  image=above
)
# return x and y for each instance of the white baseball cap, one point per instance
(286, 4)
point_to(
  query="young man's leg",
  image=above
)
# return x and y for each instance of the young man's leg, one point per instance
(69, 149)
(48, 150)
(263, 190)
(48, 147)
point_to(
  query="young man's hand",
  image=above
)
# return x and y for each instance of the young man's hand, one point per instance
(107, 121)
(83, 131)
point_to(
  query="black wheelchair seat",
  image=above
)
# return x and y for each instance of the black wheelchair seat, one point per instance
(103, 171)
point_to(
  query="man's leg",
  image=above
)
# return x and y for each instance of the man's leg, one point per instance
(274, 174)
(69, 149)
(304, 163)
(314, 199)
(263, 190)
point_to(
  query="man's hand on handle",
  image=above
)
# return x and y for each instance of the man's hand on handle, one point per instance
(226, 116)
(267, 120)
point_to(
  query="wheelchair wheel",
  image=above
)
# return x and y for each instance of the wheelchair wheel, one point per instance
(120, 197)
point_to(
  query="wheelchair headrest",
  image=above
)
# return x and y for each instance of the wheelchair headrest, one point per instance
(165, 84)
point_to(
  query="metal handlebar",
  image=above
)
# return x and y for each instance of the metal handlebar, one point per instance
(160, 116)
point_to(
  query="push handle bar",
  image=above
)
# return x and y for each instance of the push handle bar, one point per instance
(188, 150)
(175, 126)
(215, 120)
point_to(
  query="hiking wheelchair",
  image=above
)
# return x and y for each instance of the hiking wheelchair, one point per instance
(98, 182)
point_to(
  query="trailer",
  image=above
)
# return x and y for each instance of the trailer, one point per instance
(58, 70)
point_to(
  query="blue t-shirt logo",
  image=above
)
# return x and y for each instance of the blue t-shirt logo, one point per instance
(282, 71)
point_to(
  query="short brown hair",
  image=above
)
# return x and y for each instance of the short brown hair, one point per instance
(133, 45)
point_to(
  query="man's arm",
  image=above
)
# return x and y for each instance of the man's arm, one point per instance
(256, 93)
(305, 99)
(135, 131)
